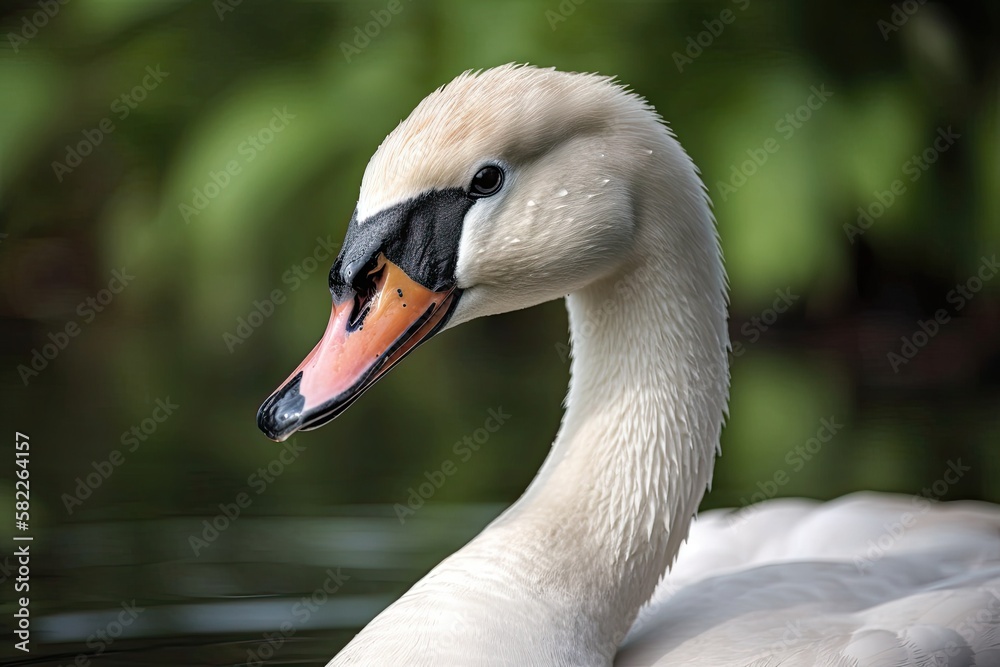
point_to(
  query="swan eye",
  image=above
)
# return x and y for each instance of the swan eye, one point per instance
(486, 182)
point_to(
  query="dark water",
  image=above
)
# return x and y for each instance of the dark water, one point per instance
(278, 590)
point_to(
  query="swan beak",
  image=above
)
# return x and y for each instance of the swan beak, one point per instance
(366, 336)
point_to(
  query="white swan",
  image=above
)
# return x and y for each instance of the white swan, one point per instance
(518, 185)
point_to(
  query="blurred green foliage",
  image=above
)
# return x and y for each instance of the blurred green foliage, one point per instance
(197, 275)
(199, 269)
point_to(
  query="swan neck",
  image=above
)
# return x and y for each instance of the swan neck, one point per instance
(647, 396)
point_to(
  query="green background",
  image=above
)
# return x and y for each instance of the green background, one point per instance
(892, 88)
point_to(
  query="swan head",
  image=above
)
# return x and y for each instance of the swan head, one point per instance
(503, 189)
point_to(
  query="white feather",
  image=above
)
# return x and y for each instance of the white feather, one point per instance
(607, 207)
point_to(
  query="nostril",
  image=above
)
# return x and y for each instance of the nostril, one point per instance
(365, 284)
(358, 313)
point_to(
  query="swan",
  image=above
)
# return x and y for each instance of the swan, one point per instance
(517, 185)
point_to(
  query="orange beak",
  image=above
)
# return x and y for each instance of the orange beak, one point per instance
(366, 336)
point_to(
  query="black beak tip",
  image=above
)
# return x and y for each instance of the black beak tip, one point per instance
(281, 414)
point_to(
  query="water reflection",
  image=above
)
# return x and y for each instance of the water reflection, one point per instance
(275, 590)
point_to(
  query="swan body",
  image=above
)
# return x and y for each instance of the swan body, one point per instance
(514, 186)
